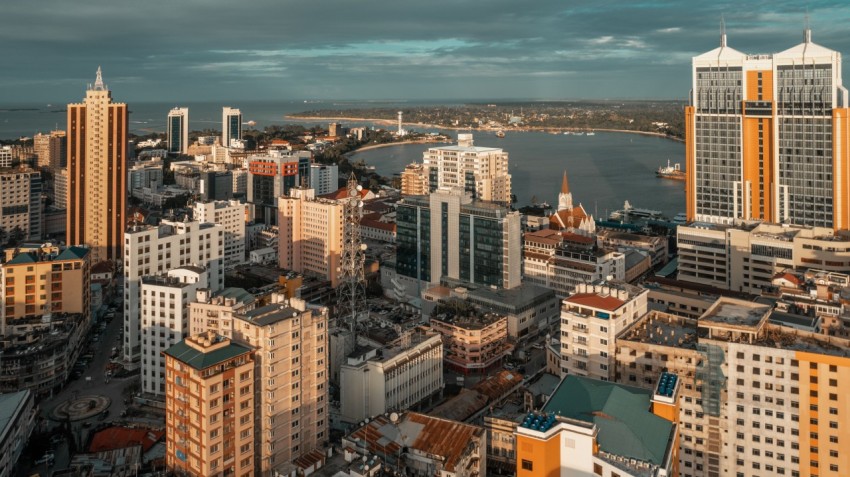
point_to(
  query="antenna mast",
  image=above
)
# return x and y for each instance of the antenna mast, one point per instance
(351, 290)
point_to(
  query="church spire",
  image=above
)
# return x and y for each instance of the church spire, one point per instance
(565, 198)
(565, 186)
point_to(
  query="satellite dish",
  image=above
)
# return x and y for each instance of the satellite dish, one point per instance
(359, 188)
(394, 417)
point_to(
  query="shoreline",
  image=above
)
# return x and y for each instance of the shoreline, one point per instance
(455, 128)
(391, 144)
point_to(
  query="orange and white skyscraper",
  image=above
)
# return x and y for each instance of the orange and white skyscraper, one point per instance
(768, 138)
(97, 180)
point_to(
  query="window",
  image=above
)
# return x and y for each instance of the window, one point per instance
(527, 465)
(597, 469)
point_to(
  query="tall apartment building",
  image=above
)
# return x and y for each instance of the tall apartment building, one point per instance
(405, 374)
(97, 188)
(6, 156)
(589, 427)
(214, 311)
(447, 234)
(20, 202)
(290, 340)
(178, 130)
(154, 250)
(324, 178)
(552, 262)
(51, 150)
(60, 189)
(759, 398)
(414, 180)
(763, 137)
(747, 257)
(310, 234)
(272, 176)
(591, 319)
(165, 319)
(231, 126)
(481, 171)
(231, 216)
(209, 407)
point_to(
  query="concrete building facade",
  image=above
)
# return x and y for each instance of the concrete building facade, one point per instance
(480, 171)
(231, 216)
(20, 202)
(310, 234)
(178, 130)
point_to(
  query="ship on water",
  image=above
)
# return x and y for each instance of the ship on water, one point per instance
(674, 172)
(629, 213)
(500, 133)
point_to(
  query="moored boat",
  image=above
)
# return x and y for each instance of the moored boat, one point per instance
(674, 172)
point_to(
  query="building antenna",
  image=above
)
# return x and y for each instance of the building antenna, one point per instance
(807, 33)
(722, 32)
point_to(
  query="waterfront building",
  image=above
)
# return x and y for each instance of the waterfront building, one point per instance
(209, 393)
(165, 319)
(231, 216)
(417, 444)
(480, 171)
(154, 250)
(569, 217)
(746, 257)
(97, 188)
(474, 341)
(20, 202)
(590, 427)
(18, 421)
(272, 176)
(759, 397)
(231, 126)
(178, 130)
(591, 319)
(51, 150)
(763, 137)
(402, 375)
(324, 178)
(414, 180)
(563, 260)
(310, 234)
(448, 234)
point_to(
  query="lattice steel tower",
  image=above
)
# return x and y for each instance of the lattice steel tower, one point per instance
(351, 291)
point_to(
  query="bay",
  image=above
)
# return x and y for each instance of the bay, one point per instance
(604, 170)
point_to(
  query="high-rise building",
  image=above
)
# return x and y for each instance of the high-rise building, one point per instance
(414, 180)
(20, 203)
(154, 250)
(178, 130)
(310, 233)
(231, 126)
(272, 176)
(97, 189)
(324, 178)
(165, 319)
(481, 171)
(763, 137)
(6, 156)
(231, 216)
(447, 234)
(60, 188)
(51, 150)
(209, 407)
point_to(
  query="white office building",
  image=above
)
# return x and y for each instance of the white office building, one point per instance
(230, 215)
(481, 171)
(324, 178)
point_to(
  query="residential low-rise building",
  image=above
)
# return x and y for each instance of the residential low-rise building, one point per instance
(474, 341)
(655, 246)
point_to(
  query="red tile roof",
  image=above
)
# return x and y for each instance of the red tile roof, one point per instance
(593, 300)
(118, 437)
(342, 193)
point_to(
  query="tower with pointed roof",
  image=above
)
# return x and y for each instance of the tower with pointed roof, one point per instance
(569, 218)
(766, 137)
(565, 198)
(97, 177)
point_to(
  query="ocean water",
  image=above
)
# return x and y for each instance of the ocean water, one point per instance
(603, 170)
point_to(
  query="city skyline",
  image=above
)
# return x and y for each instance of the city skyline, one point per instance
(547, 50)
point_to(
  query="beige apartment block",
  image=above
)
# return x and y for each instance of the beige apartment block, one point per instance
(21, 203)
(310, 234)
(414, 180)
(50, 150)
(474, 341)
(97, 189)
(482, 171)
(209, 407)
(591, 319)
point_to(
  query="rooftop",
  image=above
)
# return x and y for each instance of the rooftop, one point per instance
(270, 314)
(593, 300)
(627, 426)
(662, 329)
(731, 312)
(10, 406)
(118, 437)
(202, 360)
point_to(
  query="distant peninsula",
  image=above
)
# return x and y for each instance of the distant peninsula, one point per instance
(657, 118)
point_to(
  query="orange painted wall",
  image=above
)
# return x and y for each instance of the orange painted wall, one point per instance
(840, 165)
(828, 397)
(750, 150)
(544, 455)
(690, 164)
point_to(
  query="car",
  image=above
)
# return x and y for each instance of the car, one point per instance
(45, 459)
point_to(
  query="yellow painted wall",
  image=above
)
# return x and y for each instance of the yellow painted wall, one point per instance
(840, 164)
(544, 455)
(690, 164)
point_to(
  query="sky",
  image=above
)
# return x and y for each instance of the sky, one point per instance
(204, 50)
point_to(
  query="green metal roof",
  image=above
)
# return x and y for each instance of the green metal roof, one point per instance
(23, 257)
(73, 253)
(200, 360)
(622, 414)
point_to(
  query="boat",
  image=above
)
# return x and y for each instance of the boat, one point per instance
(631, 213)
(674, 172)
(591, 133)
(500, 133)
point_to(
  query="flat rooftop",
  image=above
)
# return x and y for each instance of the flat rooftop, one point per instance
(662, 329)
(731, 312)
(269, 314)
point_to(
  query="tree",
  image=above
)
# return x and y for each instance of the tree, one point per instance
(16, 236)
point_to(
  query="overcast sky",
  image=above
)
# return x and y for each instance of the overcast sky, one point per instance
(196, 50)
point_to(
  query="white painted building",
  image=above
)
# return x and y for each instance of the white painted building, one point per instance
(324, 178)
(154, 250)
(407, 372)
(165, 319)
(482, 171)
(591, 319)
(230, 215)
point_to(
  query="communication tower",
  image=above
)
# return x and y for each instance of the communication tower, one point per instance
(351, 291)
